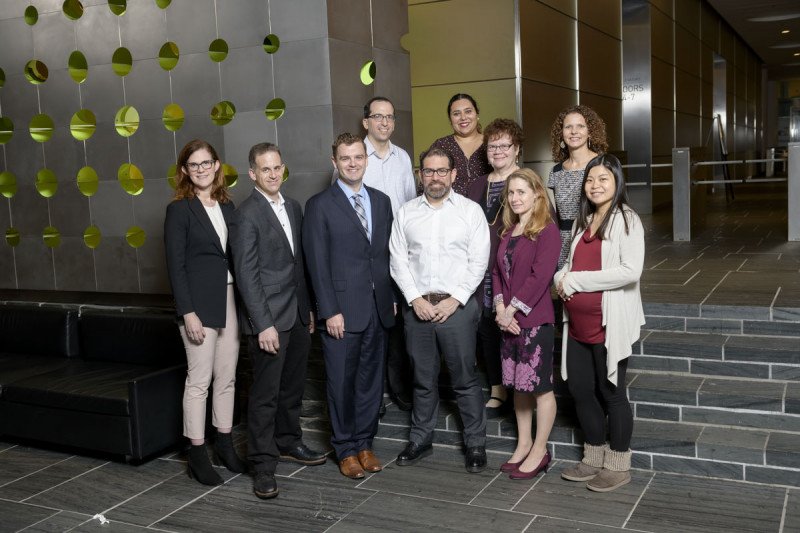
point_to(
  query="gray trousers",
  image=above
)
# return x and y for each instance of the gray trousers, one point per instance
(455, 340)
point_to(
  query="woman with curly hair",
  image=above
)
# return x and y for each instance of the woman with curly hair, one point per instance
(577, 136)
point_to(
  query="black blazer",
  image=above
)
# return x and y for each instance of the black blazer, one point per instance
(197, 265)
(271, 280)
(343, 264)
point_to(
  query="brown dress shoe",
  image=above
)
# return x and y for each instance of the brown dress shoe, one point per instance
(369, 462)
(350, 467)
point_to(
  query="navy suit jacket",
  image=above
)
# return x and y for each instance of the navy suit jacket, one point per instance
(270, 278)
(197, 265)
(343, 264)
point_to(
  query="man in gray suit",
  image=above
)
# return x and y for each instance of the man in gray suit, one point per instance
(276, 318)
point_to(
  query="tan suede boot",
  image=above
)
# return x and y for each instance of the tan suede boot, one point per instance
(615, 472)
(589, 467)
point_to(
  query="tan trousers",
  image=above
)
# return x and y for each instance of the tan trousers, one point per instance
(217, 358)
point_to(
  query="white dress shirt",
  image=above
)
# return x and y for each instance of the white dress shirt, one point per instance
(218, 221)
(393, 175)
(279, 207)
(444, 249)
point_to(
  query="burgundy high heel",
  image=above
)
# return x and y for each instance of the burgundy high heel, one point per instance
(544, 464)
(509, 467)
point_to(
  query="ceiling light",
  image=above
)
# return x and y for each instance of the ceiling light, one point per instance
(784, 32)
(784, 46)
(775, 18)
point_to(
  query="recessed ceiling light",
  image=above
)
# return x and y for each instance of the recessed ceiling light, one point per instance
(797, 54)
(784, 46)
(784, 31)
(775, 18)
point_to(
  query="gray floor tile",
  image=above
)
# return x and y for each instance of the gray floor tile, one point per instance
(58, 523)
(793, 398)
(731, 444)
(783, 449)
(664, 437)
(741, 394)
(772, 475)
(19, 515)
(544, 524)
(48, 477)
(713, 325)
(20, 461)
(114, 527)
(677, 503)
(792, 514)
(762, 349)
(698, 467)
(730, 369)
(665, 388)
(503, 492)
(723, 417)
(695, 345)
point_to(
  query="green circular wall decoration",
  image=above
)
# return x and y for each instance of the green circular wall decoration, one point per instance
(172, 117)
(41, 128)
(223, 112)
(218, 50)
(275, 109)
(51, 236)
(6, 130)
(12, 236)
(8, 184)
(31, 15)
(83, 124)
(231, 174)
(91, 237)
(172, 175)
(130, 179)
(36, 72)
(168, 55)
(87, 181)
(285, 173)
(368, 73)
(118, 7)
(46, 183)
(163, 4)
(122, 61)
(73, 9)
(77, 66)
(135, 236)
(126, 121)
(271, 43)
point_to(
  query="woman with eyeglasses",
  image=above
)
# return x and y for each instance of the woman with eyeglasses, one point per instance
(503, 140)
(466, 144)
(603, 315)
(198, 261)
(578, 134)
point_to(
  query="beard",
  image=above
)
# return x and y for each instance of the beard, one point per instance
(436, 190)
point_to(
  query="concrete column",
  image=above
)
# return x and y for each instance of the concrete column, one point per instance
(794, 191)
(681, 194)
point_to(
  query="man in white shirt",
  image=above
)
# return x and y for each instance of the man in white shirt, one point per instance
(276, 318)
(390, 171)
(439, 253)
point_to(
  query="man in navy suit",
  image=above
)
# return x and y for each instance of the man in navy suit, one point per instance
(346, 242)
(276, 318)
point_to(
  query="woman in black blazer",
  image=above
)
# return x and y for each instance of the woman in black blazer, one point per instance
(198, 260)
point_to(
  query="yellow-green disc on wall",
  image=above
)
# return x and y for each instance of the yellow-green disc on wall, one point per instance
(223, 112)
(172, 117)
(231, 174)
(168, 55)
(31, 15)
(12, 236)
(51, 236)
(87, 181)
(118, 7)
(6, 130)
(172, 176)
(8, 184)
(73, 9)
(91, 237)
(83, 124)
(36, 71)
(77, 66)
(368, 72)
(135, 236)
(126, 121)
(275, 109)
(218, 50)
(41, 128)
(122, 61)
(46, 183)
(130, 179)
(271, 43)
(163, 4)
(285, 172)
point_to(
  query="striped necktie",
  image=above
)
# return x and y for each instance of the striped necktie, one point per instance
(362, 214)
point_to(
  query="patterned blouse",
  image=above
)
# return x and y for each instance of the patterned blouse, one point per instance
(566, 185)
(467, 171)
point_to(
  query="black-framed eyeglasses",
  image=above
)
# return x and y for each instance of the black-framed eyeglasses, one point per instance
(441, 172)
(377, 117)
(498, 147)
(205, 165)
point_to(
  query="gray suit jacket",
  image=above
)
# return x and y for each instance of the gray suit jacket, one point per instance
(270, 278)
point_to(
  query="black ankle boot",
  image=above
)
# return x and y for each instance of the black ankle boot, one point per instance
(227, 455)
(200, 467)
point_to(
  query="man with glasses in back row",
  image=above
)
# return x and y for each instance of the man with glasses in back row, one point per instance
(439, 252)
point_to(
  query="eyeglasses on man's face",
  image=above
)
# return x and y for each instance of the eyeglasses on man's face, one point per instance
(205, 165)
(441, 172)
(498, 147)
(377, 117)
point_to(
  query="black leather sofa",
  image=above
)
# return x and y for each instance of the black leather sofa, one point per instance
(100, 380)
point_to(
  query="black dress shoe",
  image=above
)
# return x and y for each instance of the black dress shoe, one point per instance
(382, 410)
(413, 453)
(265, 486)
(475, 460)
(401, 401)
(304, 455)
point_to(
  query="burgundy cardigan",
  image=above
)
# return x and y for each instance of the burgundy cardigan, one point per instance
(532, 271)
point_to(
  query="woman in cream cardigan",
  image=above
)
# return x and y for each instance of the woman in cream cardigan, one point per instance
(602, 319)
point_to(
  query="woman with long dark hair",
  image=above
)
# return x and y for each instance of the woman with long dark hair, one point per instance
(198, 261)
(603, 315)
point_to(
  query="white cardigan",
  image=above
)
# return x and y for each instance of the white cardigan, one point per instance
(622, 259)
